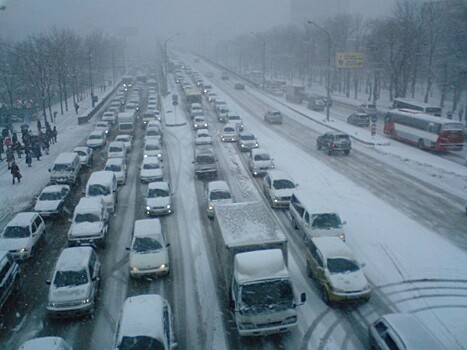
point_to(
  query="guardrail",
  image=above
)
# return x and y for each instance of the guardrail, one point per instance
(83, 119)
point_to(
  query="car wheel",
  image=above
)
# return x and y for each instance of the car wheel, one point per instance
(421, 144)
(329, 152)
(308, 269)
(346, 152)
(294, 224)
(325, 296)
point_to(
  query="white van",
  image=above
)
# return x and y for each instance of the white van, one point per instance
(116, 150)
(103, 183)
(65, 169)
(96, 139)
(314, 217)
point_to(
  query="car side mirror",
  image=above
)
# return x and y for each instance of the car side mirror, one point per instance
(128, 249)
(303, 298)
(50, 170)
(167, 245)
(344, 222)
(48, 282)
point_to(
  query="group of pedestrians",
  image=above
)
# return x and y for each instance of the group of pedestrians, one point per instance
(31, 144)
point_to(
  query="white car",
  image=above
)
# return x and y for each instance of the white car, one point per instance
(85, 155)
(151, 170)
(158, 199)
(199, 122)
(235, 119)
(247, 141)
(110, 117)
(229, 133)
(278, 187)
(96, 139)
(146, 322)
(46, 343)
(52, 200)
(126, 139)
(103, 125)
(118, 167)
(260, 161)
(116, 150)
(153, 148)
(149, 253)
(153, 133)
(202, 137)
(218, 192)
(75, 282)
(22, 235)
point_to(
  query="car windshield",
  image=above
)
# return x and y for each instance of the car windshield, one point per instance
(115, 149)
(234, 117)
(152, 147)
(149, 166)
(113, 167)
(16, 232)
(95, 137)
(276, 113)
(341, 137)
(98, 190)
(248, 137)
(61, 167)
(122, 139)
(126, 126)
(157, 192)
(341, 265)
(205, 160)
(50, 196)
(152, 132)
(87, 217)
(216, 195)
(264, 295)
(140, 343)
(229, 130)
(283, 184)
(203, 134)
(70, 278)
(146, 245)
(262, 156)
(326, 221)
(81, 153)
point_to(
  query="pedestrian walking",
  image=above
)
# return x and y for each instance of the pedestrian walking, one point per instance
(5, 132)
(15, 172)
(10, 157)
(7, 142)
(14, 138)
(49, 134)
(2, 150)
(28, 158)
(16, 147)
(54, 134)
(76, 107)
(39, 125)
(37, 150)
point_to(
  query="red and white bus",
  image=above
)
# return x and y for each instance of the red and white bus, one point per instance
(424, 130)
(407, 103)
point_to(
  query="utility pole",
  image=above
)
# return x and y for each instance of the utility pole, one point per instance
(90, 80)
(264, 64)
(165, 60)
(328, 75)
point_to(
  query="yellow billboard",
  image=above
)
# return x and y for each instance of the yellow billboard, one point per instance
(349, 60)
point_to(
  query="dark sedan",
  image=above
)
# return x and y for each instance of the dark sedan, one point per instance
(359, 119)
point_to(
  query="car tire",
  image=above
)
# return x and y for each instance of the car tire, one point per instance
(309, 273)
(421, 144)
(294, 224)
(329, 152)
(346, 152)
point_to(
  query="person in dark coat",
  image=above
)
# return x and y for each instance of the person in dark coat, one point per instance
(14, 138)
(76, 107)
(2, 149)
(16, 174)
(37, 150)
(10, 157)
(50, 135)
(28, 158)
(54, 134)
(17, 148)
(39, 125)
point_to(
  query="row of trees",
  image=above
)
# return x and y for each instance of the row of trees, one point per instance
(419, 47)
(51, 67)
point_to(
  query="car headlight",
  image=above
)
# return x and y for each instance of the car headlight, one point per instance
(162, 266)
(290, 320)
(148, 207)
(86, 301)
(246, 325)
(342, 236)
(145, 156)
(338, 290)
(210, 207)
(52, 304)
(168, 206)
(23, 250)
(134, 269)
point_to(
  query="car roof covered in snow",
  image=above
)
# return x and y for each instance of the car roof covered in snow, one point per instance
(54, 188)
(45, 343)
(90, 204)
(73, 259)
(65, 157)
(142, 315)
(101, 176)
(314, 203)
(247, 223)
(260, 264)
(147, 227)
(22, 219)
(333, 247)
(218, 185)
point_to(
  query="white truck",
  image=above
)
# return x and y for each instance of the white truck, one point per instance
(252, 252)
(126, 122)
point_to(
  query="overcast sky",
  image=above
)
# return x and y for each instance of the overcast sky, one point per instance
(198, 23)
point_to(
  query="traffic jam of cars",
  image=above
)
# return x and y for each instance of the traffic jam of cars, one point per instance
(252, 249)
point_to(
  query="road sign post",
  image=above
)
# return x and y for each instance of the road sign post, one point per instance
(373, 129)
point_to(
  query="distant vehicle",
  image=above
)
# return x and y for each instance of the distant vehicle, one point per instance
(406, 103)
(205, 162)
(235, 119)
(46, 343)
(153, 148)
(224, 76)
(359, 119)
(259, 161)
(273, 117)
(199, 122)
(158, 199)
(368, 108)
(316, 104)
(239, 86)
(85, 155)
(110, 117)
(229, 133)
(247, 141)
(278, 188)
(203, 137)
(217, 192)
(96, 139)
(151, 170)
(116, 150)
(126, 139)
(295, 93)
(118, 167)
(53, 200)
(425, 131)
(334, 142)
(103, 125)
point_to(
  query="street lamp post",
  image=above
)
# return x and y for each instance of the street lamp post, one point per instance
(90, 80)
(328, 75)
(264, 64)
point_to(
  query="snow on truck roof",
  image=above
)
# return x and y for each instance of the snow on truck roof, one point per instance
(74, 259)
(260, 264)
(246, 223)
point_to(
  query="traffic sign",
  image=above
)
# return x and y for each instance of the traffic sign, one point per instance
(175, 102)
(373, 129)
(374, 118)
